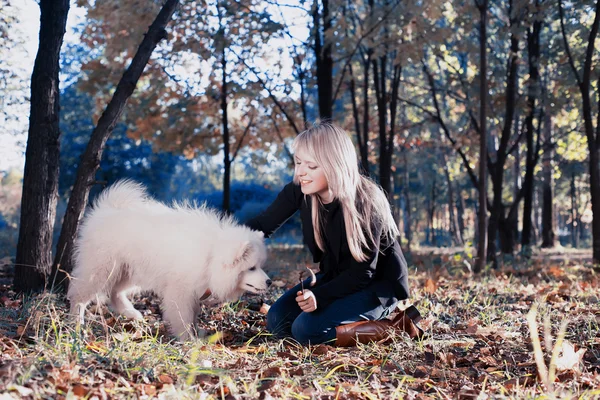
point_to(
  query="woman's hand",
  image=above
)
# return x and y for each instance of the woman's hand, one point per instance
(306, 301)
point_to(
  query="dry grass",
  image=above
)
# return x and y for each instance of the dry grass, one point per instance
(479, 345)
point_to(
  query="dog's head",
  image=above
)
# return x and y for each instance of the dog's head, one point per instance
(249, 261)
(241, 267)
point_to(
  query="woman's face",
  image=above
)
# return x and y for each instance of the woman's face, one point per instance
(311, 177)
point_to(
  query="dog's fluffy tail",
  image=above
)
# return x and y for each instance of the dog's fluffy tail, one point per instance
(122, 194)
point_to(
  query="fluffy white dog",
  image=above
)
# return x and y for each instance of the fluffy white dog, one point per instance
(128, 242)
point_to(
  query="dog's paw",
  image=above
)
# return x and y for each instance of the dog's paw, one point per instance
(133, 314)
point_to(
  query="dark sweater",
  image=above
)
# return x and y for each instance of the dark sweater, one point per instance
(385, 272)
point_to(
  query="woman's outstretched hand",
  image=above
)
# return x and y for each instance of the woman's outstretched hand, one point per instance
(306, 301)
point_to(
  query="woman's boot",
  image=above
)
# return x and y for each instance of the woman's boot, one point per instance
(374, 331)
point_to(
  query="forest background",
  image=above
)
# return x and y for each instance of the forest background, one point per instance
(479, 119)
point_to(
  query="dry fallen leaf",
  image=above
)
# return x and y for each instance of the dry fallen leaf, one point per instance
(569, 359)
(80, 390)
(430, 286)
(20, 330)
(270, 372)
(148, 390)
(164, 378)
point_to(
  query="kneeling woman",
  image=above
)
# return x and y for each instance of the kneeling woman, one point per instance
(348, 227)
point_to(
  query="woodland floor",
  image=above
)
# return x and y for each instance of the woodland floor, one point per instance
(478, 345)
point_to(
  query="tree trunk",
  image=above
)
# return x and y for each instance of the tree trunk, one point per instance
(40, 179)
(452, 222)
(495, 218)
(574, 214)
(460, 210)
(533, 46)
(548, 236)
(362, 146)
(90, 160)
(301, 74)
(592, 134)
(226, 149)
(482, 220)
(497, 212)
(433, 241)
(324, 60)
(386, 140)
(364, 155)
(595, 194)
(517, 182)
(407, 215)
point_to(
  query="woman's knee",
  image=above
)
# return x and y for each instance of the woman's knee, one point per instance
(279, 318)
(305, 333)
(273, 318)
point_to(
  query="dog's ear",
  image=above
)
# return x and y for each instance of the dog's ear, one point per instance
(243, 253)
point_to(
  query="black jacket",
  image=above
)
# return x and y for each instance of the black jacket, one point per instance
(385, 272)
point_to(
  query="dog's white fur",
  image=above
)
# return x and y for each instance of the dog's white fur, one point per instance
(128, 241)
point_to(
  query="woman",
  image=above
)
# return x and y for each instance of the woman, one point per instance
(349, 229)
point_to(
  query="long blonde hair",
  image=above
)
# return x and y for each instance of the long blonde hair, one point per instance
(364, 205)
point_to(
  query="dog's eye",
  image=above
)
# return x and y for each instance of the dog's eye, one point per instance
(252, 269)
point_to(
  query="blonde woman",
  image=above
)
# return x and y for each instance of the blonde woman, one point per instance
(349, 229)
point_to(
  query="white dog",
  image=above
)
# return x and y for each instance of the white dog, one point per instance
(128, 241)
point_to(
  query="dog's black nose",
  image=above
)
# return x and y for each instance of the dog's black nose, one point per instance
(269, 282)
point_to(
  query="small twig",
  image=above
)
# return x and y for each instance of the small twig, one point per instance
(300, 275)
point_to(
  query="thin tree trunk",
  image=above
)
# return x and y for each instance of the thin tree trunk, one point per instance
(533, 45)
(592, 133)
(482, 220)
(460, 210)
(364, 156)
(548, 236)
(453, 223)
(90, 160)
(497, 216)
(301, 81)
(324, 60)
(40, 179)
(574, 214)
(517, 181)
(224, 121)
(386, 140)
(362, 146)
(432, 213)
(407, 215)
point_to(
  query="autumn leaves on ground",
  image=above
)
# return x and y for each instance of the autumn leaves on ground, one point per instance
(523, 331)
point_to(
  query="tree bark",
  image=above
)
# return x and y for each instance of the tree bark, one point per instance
(497, 216)
(362, 146)
(548, 236)
(533, 46)
(592, 133)
(386, 140)
(407, 215)
(324, 60)
(460, 209)
(432, 239)
(90, 160)
(482, 220)
(40, 179)
(574, 214)
(517, 186)
(364, 156)
(452, 222)
(226, 148)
